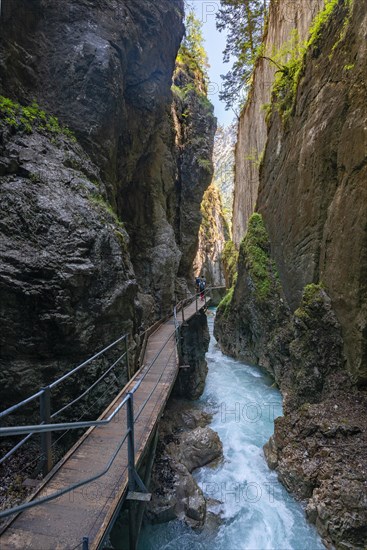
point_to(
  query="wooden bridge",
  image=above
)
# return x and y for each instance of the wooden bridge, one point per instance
(82, 517)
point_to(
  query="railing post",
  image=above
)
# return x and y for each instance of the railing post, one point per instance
(130, 441)
(127, 357)
(183, 312)
(45, 413)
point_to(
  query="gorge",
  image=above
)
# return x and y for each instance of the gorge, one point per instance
(112, 200)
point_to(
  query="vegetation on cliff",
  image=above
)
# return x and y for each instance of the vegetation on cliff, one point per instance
(30, 118)
(291, 58)
(230, 259)
(314, 171)
(255, 251)
(254, 256)
(212, 236)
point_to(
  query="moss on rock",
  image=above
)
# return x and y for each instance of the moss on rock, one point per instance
(255, 249)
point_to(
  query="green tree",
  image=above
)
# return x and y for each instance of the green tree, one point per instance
(244, 22)
(192, 46)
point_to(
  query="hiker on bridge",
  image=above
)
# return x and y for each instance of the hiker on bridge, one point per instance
(202, 285)
(197, 284)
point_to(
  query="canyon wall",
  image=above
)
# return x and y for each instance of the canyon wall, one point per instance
(284, 18)
(313, 193)
(213, 234)
(299, 306)
(93, 238)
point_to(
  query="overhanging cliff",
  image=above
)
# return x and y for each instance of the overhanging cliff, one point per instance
(92, 230)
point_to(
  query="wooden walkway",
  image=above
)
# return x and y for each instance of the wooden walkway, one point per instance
(88, 511)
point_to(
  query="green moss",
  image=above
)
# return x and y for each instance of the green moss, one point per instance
(311, 296)
(255, 249)
(288, 77)
(225, 304)
(205, 164)
(30, 118)
(320, 21)
(101, 203)
(122, 240)
(230, 261)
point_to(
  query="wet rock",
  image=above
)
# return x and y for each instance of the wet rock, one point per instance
(199, 447)
(194, 344)
(270, 452)
(66, 274)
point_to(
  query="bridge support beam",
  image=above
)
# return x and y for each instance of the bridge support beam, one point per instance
(137, 506)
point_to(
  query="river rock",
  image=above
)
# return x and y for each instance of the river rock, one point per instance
(180, 450)
(199, 447)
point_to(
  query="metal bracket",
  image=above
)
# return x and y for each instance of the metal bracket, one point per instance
(141, 497)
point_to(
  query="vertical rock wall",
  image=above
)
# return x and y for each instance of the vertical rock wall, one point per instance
(212, 237)
(299, 305)
(284, 17)
(313, 193)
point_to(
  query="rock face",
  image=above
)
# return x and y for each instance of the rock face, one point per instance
(213, 234)
(195, 129)
(194, 345)
(284, 17)
(299, 305)
(66, 275)
(223, 158)
(313, 193)
(93, 235)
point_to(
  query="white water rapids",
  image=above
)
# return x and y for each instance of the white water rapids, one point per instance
(257, 512)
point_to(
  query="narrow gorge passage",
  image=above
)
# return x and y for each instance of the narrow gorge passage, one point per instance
(256, 512)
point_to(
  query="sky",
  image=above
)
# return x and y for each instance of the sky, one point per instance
(215, 42)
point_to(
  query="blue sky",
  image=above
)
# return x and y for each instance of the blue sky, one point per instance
(214, 44)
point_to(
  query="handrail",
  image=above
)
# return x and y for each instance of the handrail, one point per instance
(41, 428)
(61, 379)
(90, 387)
(75, 425)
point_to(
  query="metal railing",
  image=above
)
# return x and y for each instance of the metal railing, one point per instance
(46, 427)
(133, 478)
(44, 395)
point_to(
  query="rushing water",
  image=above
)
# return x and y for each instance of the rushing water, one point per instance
(257, 512)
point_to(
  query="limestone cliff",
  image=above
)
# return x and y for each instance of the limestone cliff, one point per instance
(97, 232)
(314, 202)
(299, 305)
(284, 18)
(213, 235)
(195, 129)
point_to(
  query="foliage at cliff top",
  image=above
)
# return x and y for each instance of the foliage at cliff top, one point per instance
(192, 52)
(30, 118)
(244, 22)
(255, 252)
